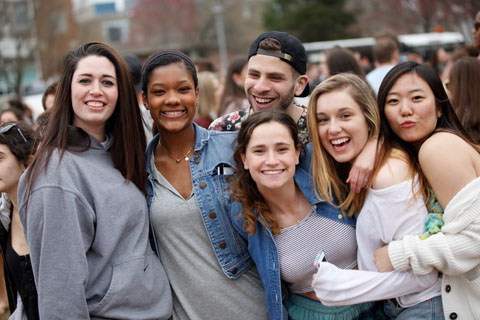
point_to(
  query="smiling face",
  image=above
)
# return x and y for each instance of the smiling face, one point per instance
(171, 97)
(270, 83)
(342, 127)
(94, 94)
(10, 170)
(410, 109)
(271, 157)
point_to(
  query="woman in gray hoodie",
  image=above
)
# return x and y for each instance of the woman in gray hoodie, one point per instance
(82, 200)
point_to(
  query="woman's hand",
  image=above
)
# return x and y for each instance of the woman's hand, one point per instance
(382, 260)
(362, 167)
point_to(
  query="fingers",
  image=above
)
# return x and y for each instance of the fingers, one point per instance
(356, 180)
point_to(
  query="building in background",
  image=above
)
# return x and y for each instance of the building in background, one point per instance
(36, 34)
(56, 34)
(18, 70)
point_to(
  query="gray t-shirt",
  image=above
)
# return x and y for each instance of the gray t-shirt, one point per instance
(200, 288)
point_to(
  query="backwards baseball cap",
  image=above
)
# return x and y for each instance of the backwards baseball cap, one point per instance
(293, 52)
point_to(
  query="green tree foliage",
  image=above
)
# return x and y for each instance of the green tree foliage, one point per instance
(309, 20)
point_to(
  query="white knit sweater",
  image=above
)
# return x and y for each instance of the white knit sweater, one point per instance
(455, 251)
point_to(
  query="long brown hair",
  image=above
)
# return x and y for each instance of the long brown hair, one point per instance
(464, 84)
(243, 188)
(329, 176)
(124, 126)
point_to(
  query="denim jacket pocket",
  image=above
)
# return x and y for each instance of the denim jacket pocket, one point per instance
(222, 175)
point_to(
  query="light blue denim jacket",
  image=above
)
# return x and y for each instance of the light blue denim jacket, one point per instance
(263, 250)
(212, 169)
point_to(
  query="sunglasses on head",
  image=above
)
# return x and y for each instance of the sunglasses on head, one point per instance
(8, 127)
(476, 25)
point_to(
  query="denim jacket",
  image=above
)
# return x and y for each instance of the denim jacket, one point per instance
(212, 169)
(263, 250)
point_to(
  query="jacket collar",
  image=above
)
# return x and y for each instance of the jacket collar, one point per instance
(305, 182)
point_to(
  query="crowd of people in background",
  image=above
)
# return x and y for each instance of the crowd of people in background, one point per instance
(282, 189)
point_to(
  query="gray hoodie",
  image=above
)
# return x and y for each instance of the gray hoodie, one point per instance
(87, 229)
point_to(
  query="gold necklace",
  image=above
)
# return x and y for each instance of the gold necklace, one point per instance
(185, 156)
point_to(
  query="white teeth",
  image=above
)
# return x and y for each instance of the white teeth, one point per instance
(95, 104)
(172, 113)
(272, 171)
(259, 100)
(339, 141)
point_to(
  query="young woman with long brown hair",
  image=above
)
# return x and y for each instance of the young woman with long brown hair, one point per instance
(82, 200)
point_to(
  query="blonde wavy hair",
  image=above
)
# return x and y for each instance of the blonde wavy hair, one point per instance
(329, 176)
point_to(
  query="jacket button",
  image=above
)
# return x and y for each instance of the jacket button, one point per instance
(340, 216)
(212, 215)
(234, 271)
(448, 288)
(453, 315)
(223, 245)
(202, 185)
(314, 206)
(196, 160)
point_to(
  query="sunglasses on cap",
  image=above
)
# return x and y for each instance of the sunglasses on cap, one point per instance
(8, 127)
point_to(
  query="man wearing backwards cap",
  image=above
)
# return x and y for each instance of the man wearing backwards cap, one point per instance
(277, 63)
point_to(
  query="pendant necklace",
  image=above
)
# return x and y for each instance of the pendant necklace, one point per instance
(185, 156)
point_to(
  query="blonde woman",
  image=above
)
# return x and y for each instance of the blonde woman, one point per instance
(342, 117)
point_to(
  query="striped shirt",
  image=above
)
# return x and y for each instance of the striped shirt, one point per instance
(298, 245)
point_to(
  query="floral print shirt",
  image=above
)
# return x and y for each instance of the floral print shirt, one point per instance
(233, 121)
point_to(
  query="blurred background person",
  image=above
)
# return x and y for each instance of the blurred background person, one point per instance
(339, 60)
(438, 60)
(313, 74)
(204, 64)
(457, 54)
(233, 97)
(26, 112)
(463, 86)
(135, 66)
(386, 55)
(48, 97)
(10, 115)
(209, 85)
